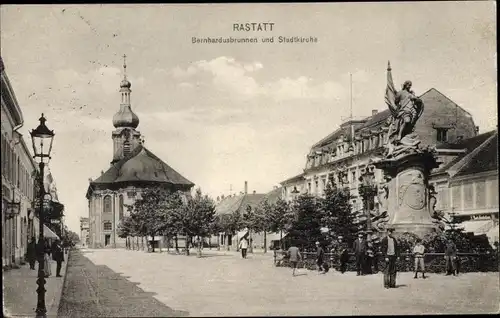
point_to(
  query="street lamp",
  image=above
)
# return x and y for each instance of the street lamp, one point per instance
(367, 191)
(13, 209)
(41, 137)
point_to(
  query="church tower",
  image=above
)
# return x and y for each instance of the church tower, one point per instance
(125, 138)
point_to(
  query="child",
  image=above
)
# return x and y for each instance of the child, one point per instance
(418, 252)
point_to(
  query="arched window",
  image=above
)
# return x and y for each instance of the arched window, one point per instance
(107, 226)
(120, 207)
(107, 204)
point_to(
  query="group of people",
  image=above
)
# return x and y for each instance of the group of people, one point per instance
(390, 250)
(43, 251)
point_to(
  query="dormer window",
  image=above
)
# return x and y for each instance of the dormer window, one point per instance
(442, 134)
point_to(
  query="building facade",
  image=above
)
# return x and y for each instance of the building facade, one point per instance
(133, 168)
(84, 231)
(18, 170)
(242, 203)
(467, 183)
(344, 154)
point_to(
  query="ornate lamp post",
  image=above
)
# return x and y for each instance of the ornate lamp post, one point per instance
(368, 190)
(41, 138)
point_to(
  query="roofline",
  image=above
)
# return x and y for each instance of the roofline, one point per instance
(297, 177)
(477, 175)
(444, 151)
(455, 169)
(92, 185)
(342, 125)
(326, 138)
(463, 109)
(10, 97)
(142, 181)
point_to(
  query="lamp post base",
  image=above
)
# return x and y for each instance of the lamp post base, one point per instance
(41, 310)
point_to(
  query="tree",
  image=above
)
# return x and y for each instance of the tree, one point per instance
(70, 238)
(280, 217)
(306, 226)
(171, 217)
(196, 218)
(230, 224)
(216, 228)
(125, 229)
(147, 212)
(260, 220)
(250, 222)
(336, 213)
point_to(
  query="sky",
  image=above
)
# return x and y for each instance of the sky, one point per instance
(223, 114)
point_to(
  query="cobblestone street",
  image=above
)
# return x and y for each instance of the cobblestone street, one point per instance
(96, 291)
(221, 283)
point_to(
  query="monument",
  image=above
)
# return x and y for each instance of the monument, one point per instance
(408, 198)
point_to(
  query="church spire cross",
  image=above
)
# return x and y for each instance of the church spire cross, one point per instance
(124, 66)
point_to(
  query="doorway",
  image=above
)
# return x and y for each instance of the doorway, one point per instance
(107, 238)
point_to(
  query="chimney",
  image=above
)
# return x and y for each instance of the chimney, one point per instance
(374, 112)
(246, 187)
(102, 172)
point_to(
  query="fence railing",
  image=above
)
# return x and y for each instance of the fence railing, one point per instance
(434, 262)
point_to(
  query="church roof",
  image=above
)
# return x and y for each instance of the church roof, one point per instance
(142, 165)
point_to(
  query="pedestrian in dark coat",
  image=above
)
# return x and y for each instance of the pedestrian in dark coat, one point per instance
(360, 248)
(31, 253)
(58, 256)
(450, 255)
(320, 258)
(343, 254)
(390, 250)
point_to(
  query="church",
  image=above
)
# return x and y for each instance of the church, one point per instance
(133, 167)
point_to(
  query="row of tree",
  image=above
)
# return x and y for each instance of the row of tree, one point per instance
(160, 212)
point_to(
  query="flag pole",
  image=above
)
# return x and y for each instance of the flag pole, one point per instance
(352, 126)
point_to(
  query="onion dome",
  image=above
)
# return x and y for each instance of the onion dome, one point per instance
(125, 83)
(125, 117)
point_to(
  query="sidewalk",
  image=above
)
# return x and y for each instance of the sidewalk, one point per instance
(19, 291)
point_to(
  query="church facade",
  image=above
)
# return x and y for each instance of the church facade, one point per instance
(133, 168)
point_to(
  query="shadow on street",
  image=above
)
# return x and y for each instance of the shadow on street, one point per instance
(96, 291)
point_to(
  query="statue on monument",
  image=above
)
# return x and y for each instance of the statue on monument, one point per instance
(406, 108)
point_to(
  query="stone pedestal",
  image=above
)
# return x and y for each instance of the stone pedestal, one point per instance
(408, 192)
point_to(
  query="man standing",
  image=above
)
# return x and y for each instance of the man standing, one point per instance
(360, 248)
(320, 258)
(244, 246)
(390, 250)
(343, 254)
(450, 255)
(294, 257)
(58, 256)
(418, 253)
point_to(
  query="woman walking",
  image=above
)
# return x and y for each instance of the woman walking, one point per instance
(31, 253)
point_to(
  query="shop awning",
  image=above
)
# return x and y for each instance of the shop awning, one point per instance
(274, 236)
(241, 234)
(492, 234)
(48, 233)
(474, 226)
